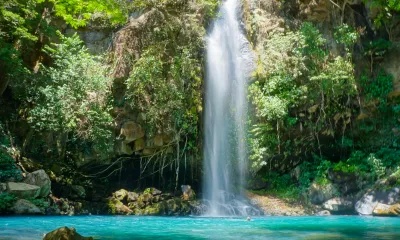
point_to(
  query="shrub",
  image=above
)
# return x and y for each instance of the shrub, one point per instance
(73, 96)
(42, 204)
(8, 169)
(6, 202)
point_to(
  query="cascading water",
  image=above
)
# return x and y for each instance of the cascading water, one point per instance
(229, 63)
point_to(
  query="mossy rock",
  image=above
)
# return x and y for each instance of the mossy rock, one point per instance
(117, 207)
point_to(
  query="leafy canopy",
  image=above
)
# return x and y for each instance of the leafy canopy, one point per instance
(72, 96)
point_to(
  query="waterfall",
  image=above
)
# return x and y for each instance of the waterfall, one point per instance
(229, 63)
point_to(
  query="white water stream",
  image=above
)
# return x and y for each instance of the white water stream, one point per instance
(229, 63)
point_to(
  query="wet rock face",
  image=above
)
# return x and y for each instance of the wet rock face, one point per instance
(323, 213)
(25, 207)
(41, 179)
(65, 233)
(132, 38)
(23, 190)
(338, 205)
(347, 182)
(321, 193)
(386, 210)
(121, 195)
(150, 202)
(188, 193)
(369, 201)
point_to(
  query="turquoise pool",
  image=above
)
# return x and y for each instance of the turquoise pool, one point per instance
(131, 227)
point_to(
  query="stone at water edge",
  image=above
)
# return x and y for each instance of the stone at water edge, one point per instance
(25, 207)
(188, 193)
(41, 179)
(23, 190)
(338, 205)
(323, 213)
(367, 204)
(65, 233)
(386, 210)
(132, 197)
(117, 207)
(321, 193)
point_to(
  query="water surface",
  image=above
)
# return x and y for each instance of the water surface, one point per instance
(131, 227)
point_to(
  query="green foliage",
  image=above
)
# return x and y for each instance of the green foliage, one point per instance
(18, 18)
(8, 169)
(42, 204)
(321, 172)
(387, 12)
(370, 166)
(78, 12)
(6, 202)
(377, 88)
(72, 96)
(346, 35)
(147, 190)
(4, 139)
(377, 47)
(295, 72)
(207, 7)
(161, 89)
(281, 186)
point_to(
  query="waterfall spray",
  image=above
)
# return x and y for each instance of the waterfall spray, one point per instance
(229, 63)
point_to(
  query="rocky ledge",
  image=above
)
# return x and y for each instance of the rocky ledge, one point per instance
(153, 202)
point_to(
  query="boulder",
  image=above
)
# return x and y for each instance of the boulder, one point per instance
(347, 182)
(154, 191)
(23, 206)
(386, 210)
(177, 207)
(323, 213)
(65, 233)
(146, 197)
(23, 190)
(139, 144)
(117, 207)
(188, 193)
(158, 141)
(41, 179)
(126, 148)
(321, 193)
(338, 205)
(367, 204)
(130, 131)
(121, 195)
(132, 197)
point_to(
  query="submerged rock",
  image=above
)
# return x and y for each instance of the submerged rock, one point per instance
(25, 207)
(386, 210)
(23, 190)
(41, 179)
(65, 233)
(338, 205)
(188, 193)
